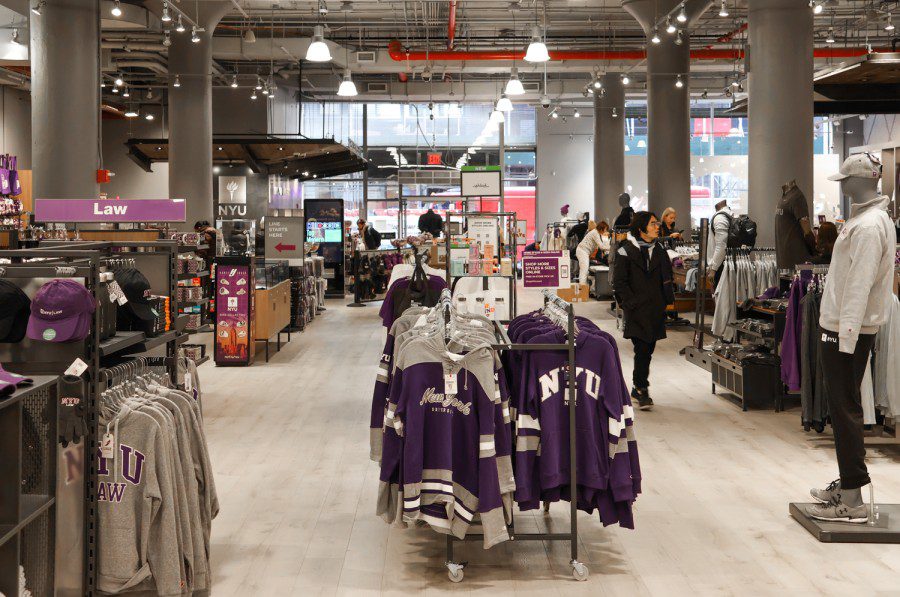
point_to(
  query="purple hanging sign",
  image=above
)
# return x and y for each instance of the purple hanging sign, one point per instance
(109, 210)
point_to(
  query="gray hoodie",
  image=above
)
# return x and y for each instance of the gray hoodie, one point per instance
(136, 510)
(857, 295)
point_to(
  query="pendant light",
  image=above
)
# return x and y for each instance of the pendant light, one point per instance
(249, 37)
(670, 26)
(149, 116)
(180, 26)
(125, 92)
(514, 85)
(177, 82)
(678, 82)
(830, 38)
(655, 39)
(625, 79)
(15, 38)
(577, 114)
(253, 95)
(497, 117)
(116, 10)
(682, 15)
(318, 50)
(723, 11)
(166, 17)
(195, 35)
(131, 113)
(890, 23)
(234, 82)
(537, 50)
(258, 84)
(347, 87)
(504, 104)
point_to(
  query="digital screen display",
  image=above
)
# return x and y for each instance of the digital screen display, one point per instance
(323, 232)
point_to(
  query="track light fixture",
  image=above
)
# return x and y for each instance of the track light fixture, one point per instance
(180, 26)
(167, 41)
(149, 116)
(166, 17)
(177, 82)
(554, 114)
(670, 26)
(678, 82)
(704, 95)
(131, 113)
(577, 114)
(682, 15)
(890, 23)
(655, 39)
(258, 84)
(723, 10)
(126, 93)
(265, 90)
(15, 37)
(830, 38)
(119, 81)
(234, 82)
(253, 95)
(115, 90)
(615, 113)
(727, 92)
(597, 84)
(816, 6)
(195, 35)
(625, 79)
(679, 39)
(116, 9)
(36, 9)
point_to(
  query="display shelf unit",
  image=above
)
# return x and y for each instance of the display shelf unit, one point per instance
(186, 276)
(191, 248)
(27, 486)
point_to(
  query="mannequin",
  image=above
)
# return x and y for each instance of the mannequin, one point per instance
(855, 302)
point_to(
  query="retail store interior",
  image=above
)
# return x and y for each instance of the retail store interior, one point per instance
(546, 297)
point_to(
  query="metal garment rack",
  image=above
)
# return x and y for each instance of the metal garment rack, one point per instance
(80, 259)
(579, 570)
(510, 234)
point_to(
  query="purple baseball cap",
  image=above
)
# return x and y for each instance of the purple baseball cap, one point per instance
(61, 312)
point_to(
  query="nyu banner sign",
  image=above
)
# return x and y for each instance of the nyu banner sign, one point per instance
(109, 210)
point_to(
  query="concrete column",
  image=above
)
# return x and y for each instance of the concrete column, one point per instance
(609, 147)
(668, 106)
(190, 116)
(65, 99)
(780, 67)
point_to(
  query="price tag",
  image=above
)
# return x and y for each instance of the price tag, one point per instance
(76, 368)
(121, 299)
(108, 445)
(450, 383)
(188, 386)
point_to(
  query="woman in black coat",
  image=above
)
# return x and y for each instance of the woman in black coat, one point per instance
(642, 282)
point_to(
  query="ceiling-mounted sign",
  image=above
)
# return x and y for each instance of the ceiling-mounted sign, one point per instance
(434, 159)
(284, 238)
(545, 269)
(480, 181)
(109, 210)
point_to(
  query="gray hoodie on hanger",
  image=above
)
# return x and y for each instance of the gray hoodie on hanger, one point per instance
(136, 511)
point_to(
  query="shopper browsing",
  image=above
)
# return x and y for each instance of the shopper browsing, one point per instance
(667, 224)
(718, 240)
(597, 239)
(431, 223)
(369, 238)
(642, 282)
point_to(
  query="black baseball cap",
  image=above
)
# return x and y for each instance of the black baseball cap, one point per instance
(15, 308)
(137, 290)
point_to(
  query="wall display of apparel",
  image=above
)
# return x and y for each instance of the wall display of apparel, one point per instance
(65, 324)
(514, 409)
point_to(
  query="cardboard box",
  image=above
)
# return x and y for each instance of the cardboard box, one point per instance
(577, 293)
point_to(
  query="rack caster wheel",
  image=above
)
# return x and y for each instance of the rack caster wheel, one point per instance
(579, 571)
(455, 572)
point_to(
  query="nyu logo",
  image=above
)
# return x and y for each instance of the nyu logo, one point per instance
(550, 382)
(827, 338)
(132, 466)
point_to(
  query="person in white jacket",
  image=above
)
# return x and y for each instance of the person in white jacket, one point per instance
(856, 301)
(718, 240)
(597, 237)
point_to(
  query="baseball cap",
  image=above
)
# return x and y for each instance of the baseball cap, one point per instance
(15, 307)
(137, 290)
(859, 165)
(61, 312)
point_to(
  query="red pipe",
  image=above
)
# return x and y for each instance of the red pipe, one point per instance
(730, 35)
(398, 54)
(451, 25)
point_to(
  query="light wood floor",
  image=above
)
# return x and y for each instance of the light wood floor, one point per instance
(289, 443)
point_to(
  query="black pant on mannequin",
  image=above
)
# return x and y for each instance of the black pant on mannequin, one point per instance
(843, 377)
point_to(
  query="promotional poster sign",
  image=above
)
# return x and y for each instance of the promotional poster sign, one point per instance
(234, 289)
(480, 181)
(325, 226)
(483, 231)
(70, 211)
(284, 238)
(545, 269)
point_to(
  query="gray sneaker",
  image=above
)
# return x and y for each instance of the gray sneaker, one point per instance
(830, 494)
(839, 512)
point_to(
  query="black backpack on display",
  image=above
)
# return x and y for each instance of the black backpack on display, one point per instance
(741, 231)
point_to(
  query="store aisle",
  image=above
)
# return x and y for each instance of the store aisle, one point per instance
(289, 444)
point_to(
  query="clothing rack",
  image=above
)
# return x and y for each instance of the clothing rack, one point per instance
(562, 312)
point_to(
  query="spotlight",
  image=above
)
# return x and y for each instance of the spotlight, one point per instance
(149, 116)
(704, 95)
(116, 9)
(15, 37)
(119, 81)
(253, 95)
(670, 26)
(125, 93)
(678, 82)
(682, 16)
(234, 82)
(615, 113)
(305, 173)
(115, 90)
(830, 38)
(655, 39)
(167, 41)
(625, 80)
(36, 9)
(723, 11)
(177, 82)
(180, 26)
(195, 35)
(597, 84)
(554, 114)
(166, 17)
(679, 39)
(817, 8)
(131, 113)
(577, 114)
(258, 84)
(890, 23)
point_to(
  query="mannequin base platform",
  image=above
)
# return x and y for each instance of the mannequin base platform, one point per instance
(884, 529)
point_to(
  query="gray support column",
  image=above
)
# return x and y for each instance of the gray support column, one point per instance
(65, 99)
(190, 117)
(668, 106)
(780, 67)
(669, 134)
(609, 147)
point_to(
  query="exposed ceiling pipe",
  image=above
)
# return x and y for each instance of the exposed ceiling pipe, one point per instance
(451, 25)
(398, 54)
(730, 35)
(148, 64)
(402, 77)
(140, 46)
